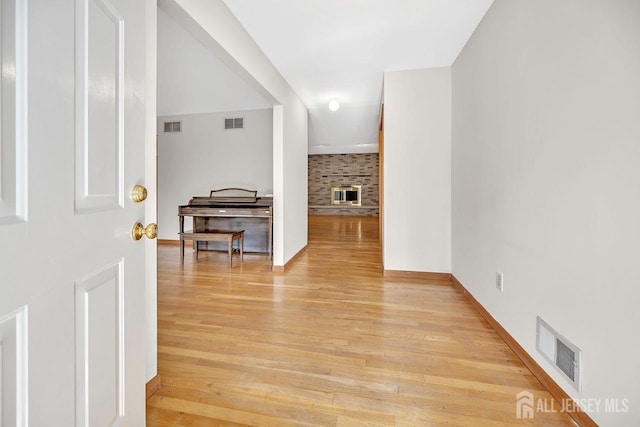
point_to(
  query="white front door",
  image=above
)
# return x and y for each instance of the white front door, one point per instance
(71, 149)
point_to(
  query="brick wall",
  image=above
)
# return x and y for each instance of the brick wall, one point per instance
(328, 170)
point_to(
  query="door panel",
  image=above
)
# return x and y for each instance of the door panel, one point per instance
(100, 347)
(13, 368)
(99, 103)
(13, 197)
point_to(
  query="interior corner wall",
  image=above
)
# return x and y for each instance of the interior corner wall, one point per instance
(417, 170)
(295, 175)
(219, 30)
(204, 156)
(545, 167)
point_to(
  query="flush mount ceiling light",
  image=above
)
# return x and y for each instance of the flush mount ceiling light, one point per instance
(334, 105)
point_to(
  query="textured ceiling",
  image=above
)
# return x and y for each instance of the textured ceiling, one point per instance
(340, 49)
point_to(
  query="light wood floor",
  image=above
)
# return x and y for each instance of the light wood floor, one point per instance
(330, 343)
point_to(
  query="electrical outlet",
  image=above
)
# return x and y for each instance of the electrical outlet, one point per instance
(499, 281)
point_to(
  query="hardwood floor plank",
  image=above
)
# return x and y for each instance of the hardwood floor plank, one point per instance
(216, 412)
(191, 420)
(329, 342)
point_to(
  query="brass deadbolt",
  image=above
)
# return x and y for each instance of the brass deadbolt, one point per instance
(138, 193)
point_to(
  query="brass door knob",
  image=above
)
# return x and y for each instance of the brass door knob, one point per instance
(139, 230)
(138, 193)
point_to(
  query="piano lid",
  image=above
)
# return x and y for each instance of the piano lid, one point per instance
(233, 195)
(203, 201)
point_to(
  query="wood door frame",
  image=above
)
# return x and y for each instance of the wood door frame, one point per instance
(151, 180)
(381, 182)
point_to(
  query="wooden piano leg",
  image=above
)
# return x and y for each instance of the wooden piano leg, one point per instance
(230, 250)
(271, 238)
(241, 247)
(181, 228)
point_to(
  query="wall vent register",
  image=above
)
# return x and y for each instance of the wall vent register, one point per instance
(234, 123)
(559, 351)
(347, 195)
(172, 127)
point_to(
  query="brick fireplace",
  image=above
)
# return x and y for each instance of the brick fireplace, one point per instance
(328, 172)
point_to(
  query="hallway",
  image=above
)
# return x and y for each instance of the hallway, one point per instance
(330, 342)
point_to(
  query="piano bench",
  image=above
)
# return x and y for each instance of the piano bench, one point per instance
(228, 236)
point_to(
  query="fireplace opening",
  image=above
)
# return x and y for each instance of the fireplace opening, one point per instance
(346, 195)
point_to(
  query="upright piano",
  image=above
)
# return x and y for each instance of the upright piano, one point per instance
(232, 209)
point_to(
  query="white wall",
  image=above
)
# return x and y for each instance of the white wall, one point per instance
(417, 170)
(205, 156)
(191, 79)
(216, 27)
(546, 181)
